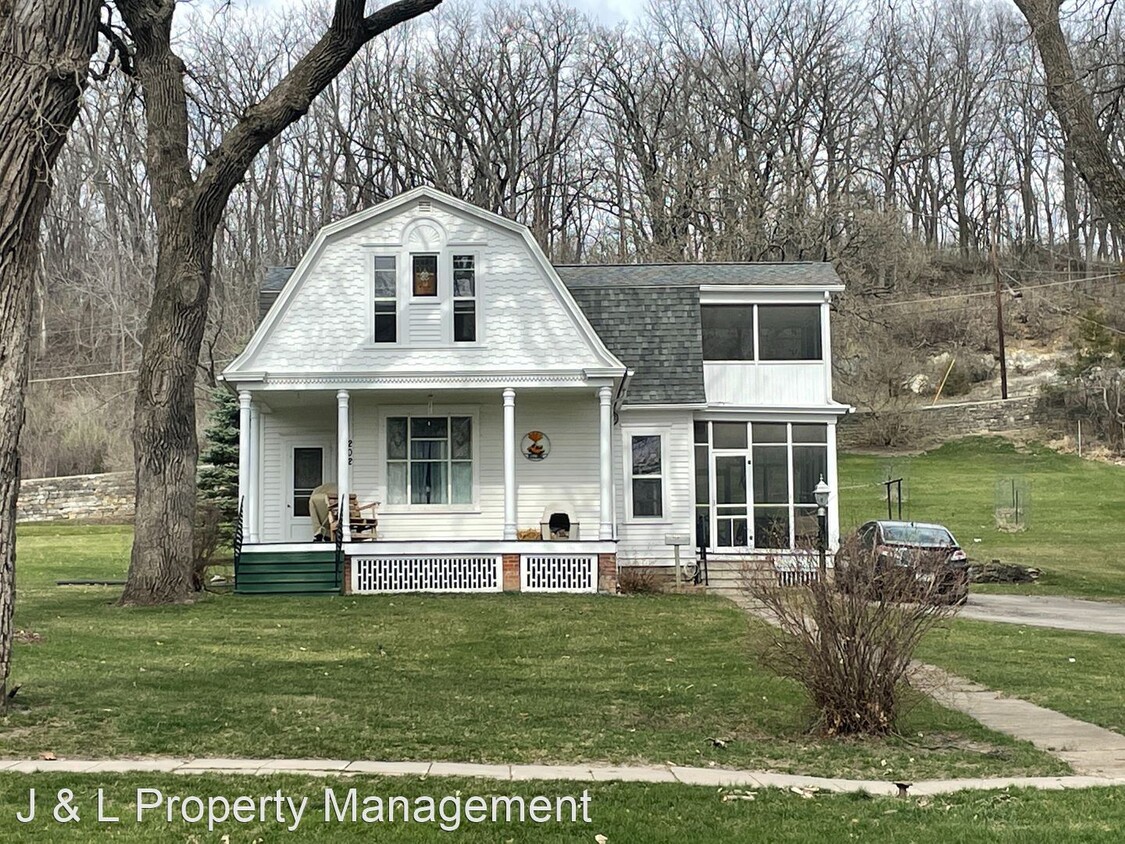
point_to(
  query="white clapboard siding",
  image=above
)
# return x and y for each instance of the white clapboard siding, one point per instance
(766, 384)
(642, 541)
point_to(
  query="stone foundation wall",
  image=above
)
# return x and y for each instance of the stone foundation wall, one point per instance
(947, 421)
(97, 498)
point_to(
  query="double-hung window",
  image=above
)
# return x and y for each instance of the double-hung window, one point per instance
(385, 328)
(429, 460)
(464, 298)
(647, 476)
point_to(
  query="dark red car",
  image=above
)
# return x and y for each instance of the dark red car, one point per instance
(929, 549)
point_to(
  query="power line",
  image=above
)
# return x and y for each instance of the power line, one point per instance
(99, 374)
(82, 377)
(1021, 289)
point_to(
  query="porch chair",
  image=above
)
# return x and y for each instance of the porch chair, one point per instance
(363, 528)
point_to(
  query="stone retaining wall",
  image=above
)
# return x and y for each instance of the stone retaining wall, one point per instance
(100, 498)
(947, 421)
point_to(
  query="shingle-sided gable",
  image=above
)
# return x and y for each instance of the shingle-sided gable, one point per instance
(656, 332)
(318, 318)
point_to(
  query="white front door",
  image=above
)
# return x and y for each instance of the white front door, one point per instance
(309, 463)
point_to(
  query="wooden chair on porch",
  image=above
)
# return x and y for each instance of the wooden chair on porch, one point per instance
(363, 528)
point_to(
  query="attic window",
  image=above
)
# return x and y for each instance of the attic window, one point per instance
(425, 276)
(423, 205)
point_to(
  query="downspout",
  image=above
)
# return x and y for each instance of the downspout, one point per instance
(622, 388)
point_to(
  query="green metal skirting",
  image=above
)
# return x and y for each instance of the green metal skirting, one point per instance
(288, 573)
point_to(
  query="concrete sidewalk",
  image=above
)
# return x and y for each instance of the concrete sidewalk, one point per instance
(709, 777)
(1089, 749)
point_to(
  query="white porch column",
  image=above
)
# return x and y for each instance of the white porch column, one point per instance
(343, 464)
(254, 495)
(833, 481)
(605, 461)
(244, 461)
(510, 508)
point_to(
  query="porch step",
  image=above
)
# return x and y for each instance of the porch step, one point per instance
(288, 573)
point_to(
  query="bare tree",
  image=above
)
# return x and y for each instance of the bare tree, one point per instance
(45, 53)
(1073, 105)
(189, 207)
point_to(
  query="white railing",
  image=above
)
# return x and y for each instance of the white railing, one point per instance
(464, 573)
(559, 572)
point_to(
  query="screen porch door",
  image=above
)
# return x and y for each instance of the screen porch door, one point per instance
(308, 466)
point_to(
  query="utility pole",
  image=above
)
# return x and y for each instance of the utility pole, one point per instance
(999, 315)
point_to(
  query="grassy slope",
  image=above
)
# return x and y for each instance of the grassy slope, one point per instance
(620, 811)
(1034, 663)
(1077, 517)
(511, 678)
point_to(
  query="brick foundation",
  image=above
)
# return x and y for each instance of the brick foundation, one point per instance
(607, 573)
(347, 586)
(511, 572)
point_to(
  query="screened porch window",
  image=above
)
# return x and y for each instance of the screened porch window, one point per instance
(754, 483)
(429, 460)
(789, 332)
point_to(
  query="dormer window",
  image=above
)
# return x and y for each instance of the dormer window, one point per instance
(385, 329)
(425, 276)
(464, 298)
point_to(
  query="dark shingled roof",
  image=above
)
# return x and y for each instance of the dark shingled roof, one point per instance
(817, 274)
(655, 331)
(271, 285)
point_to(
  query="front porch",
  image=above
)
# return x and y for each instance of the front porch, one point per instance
(389, 567)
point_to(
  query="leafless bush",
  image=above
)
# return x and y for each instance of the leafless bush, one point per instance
(849, 640)
(639, 580)
(206, 539)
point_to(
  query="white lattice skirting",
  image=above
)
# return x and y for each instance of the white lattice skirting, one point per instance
(558, 573)
(793, 573)
(483, 573)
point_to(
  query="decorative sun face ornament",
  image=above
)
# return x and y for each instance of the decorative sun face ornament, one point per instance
(536, 446)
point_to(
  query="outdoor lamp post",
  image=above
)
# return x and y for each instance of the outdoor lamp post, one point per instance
(821, 492)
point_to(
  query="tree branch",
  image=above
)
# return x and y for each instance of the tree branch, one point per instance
(291, 97)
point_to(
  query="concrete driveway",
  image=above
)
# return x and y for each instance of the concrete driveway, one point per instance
(1047, 611)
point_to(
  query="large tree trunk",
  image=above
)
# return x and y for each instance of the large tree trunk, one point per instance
(1074, 109)
(188, 210)
(45, 51)
(164, 437)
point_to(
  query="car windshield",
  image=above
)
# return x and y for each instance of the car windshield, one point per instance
(918, 535)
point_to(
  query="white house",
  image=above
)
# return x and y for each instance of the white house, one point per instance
(426, 355)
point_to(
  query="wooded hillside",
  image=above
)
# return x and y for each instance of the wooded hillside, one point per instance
(905, 144)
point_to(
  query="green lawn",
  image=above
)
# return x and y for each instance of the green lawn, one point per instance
(513, 678)
(1076, 512)
(1076, 673)
(622, 812)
